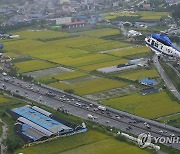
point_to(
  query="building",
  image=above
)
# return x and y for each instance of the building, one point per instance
(65, 20)
(149, 90)
(14, 37)
(117, 68)
(35, 124)
(136, 61)
(133, 33)
(73, 25)
(148, 82)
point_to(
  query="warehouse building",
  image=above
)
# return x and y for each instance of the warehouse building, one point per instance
(65, 20)
(73, 25)
(35, 124)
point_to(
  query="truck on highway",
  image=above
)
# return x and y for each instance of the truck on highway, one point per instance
(90, 116)
(102, 108)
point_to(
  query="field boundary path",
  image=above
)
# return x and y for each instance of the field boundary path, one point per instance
(118, 49)
(166, 79)
(3, 137)
(176, 71)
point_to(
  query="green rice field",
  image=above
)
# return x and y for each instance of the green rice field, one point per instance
(32, 65)
(148, 106)
(139, 74)
(91, 86)
(90, 142)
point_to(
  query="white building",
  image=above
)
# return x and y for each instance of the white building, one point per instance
(133, 33)
(65, 20)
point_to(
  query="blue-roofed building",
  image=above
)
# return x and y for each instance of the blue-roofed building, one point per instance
(35, 124)
(148, 82)
(42, 120)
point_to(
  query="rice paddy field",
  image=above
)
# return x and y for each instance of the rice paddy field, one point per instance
(90, 142)
(38, 34)
(32, 65)
(130, 51)
(102, 32)
(139, 74)
(64, 76)
(84, 54)
(148, 106)
(142, 15)
(90, 86)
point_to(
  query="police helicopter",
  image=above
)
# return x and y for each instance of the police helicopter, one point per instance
(162, 45)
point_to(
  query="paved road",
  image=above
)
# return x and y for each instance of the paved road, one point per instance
(176, 71)
(166, 79)
(81, 107)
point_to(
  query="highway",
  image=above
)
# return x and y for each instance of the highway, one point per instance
(176, 71)
(81, 107)
(166, 79)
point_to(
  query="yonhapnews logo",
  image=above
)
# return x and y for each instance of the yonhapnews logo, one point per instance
(144, 140)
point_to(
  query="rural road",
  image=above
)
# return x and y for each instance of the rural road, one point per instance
(166, 79)
(3, 137)
(118, 49)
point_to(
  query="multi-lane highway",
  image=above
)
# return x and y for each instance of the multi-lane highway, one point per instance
(166, 79)
(81, 107)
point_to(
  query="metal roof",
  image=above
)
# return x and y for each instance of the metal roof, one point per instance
(148, 81)
(42, 111)
(40, 119)
(35, 126)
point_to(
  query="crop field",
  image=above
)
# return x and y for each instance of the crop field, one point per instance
(44, 34)
(3, 99)
(49, 72)
(84, 60)
(81, 79)
(139, 74)
(91, 86)
(149, 106)
(32, 65)
(170, 117)
(90, 142)
(103, 64)
(105, 46)
(79, 42)
(142, 15)
(64, 76)
(41, 50)
(111, 16)
(101, 32)
(173, 120)
(130, 51)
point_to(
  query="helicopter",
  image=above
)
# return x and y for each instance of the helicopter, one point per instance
(162, 45)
